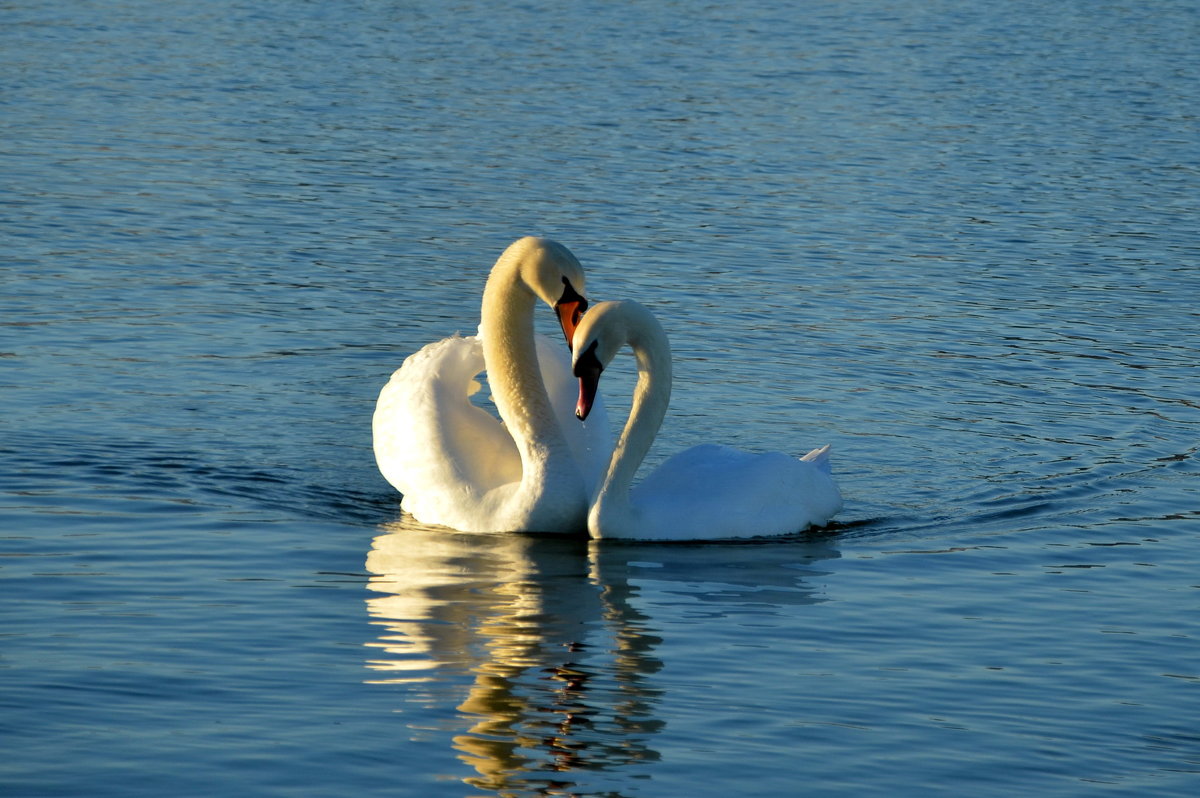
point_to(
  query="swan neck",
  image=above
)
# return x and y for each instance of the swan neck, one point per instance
(510, 357)
(651, 396)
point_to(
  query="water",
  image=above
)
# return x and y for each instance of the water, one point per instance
(955, 240)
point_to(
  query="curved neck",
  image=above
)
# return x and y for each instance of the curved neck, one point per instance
(651, 396)
(509, 354)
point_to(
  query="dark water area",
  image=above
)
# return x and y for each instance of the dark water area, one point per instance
(957, 241)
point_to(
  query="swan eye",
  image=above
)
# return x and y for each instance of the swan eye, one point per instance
(570, 295)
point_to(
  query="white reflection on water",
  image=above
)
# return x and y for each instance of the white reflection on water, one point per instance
(541, 644)
(548, 664)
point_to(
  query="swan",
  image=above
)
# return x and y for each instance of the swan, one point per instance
(708, 492)
(454, 463)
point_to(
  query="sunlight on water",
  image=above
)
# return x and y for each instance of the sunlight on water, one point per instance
(954, 240)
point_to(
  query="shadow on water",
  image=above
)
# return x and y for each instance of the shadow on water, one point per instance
(540, 643)
(109, 475)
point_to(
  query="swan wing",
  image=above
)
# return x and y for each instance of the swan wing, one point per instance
(431, 443)
(713, 492)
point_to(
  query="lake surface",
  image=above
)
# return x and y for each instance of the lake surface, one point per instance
(956, 240)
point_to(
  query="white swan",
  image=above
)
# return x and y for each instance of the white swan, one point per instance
(707, 492)
(456, 465)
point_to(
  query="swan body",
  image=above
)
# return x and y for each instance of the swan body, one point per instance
(454, 462)
(708, 492)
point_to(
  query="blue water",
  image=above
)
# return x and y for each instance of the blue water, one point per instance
(956, 240)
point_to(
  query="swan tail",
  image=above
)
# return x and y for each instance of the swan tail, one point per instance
(819, 458)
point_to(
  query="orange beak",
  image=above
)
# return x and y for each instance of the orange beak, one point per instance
(569, 313)
(570, 308)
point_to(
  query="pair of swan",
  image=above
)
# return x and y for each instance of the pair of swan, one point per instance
(543, 471)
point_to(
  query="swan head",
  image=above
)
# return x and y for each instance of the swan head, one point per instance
(587, 369)
(555, 275)
(600, 335)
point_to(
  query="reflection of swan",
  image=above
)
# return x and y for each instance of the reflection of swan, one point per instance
(546, 667)
(704, 493)
(456, 465)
